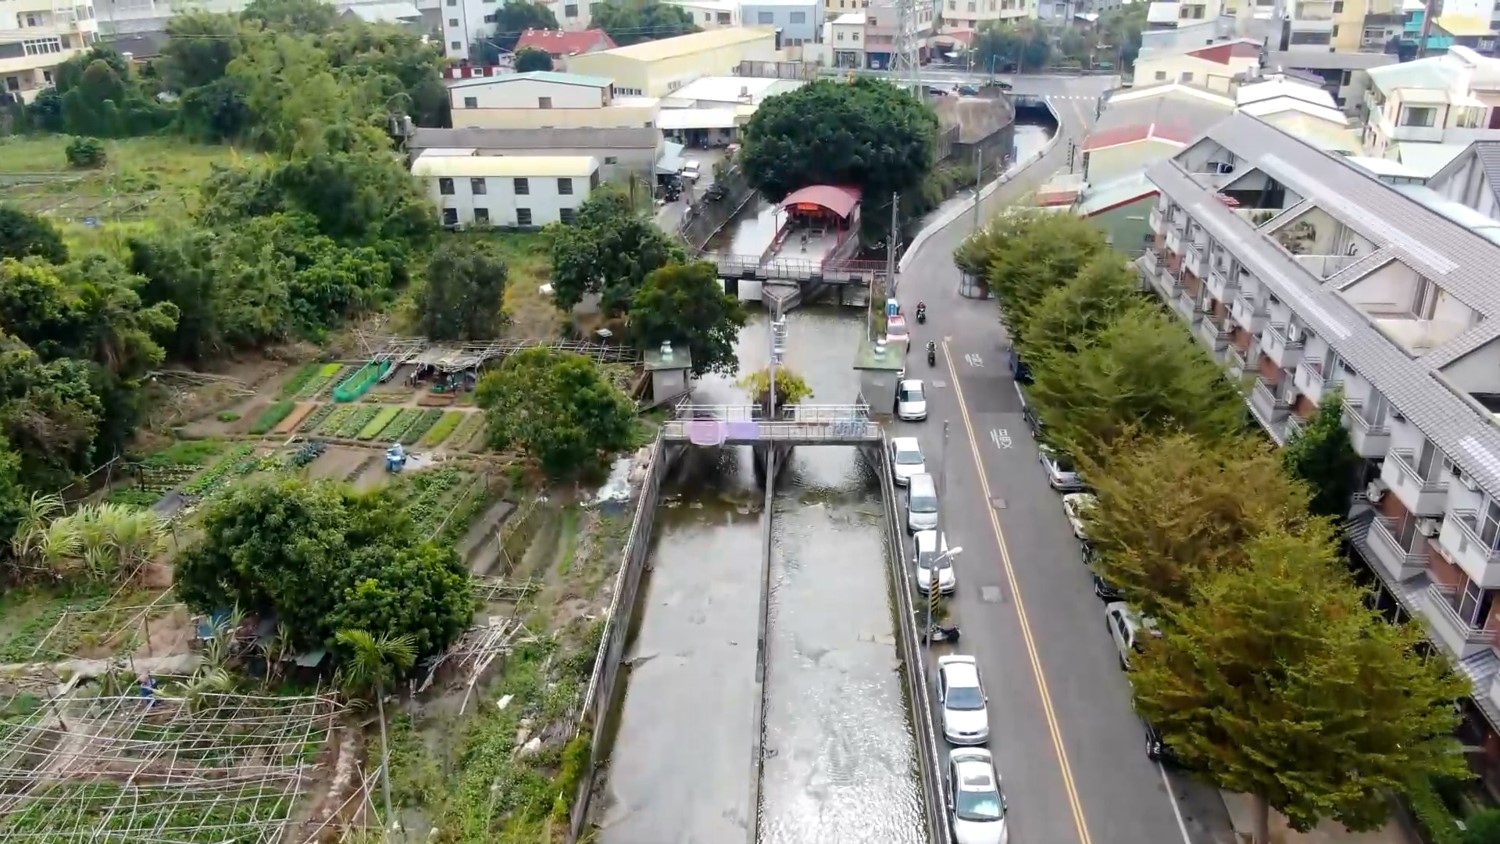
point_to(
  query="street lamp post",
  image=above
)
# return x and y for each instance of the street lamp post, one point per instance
(933, 590)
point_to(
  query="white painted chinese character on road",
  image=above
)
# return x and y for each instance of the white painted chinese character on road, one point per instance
(974, 361)
(1000, 437)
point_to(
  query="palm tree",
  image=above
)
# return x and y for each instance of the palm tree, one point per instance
(39, 513)
(371, 664)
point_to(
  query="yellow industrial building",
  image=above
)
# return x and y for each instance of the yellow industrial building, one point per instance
(657, 68)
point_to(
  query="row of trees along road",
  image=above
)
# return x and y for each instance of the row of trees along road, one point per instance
(1273, 676)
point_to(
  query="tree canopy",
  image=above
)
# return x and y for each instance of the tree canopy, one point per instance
(1072, 313)
(323, 559)
(557, 407)
(1140, 374)
(867, 134)
(513, 19)
(608, 250)
(633, 21)
(529, 59)
(26, 235)
(1323, 456)
(1022, 255)
(1278, 681)
(686, 304)
(465, 293)
(1173, 508)
(1007, 47)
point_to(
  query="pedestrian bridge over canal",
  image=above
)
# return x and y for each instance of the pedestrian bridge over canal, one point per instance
(818, 424)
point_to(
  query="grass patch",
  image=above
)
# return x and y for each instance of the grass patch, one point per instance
(569, 540)
(184, 453)
(528, 262)
(145, 182)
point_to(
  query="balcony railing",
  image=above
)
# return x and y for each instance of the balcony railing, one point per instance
(1174, 239)
(1461, 541)
(1272, 407)
(1279, 346)
(1294, 425)
(1213, 334)
(1235, 360)
(1250, 316)
(1194, 258)
(1370, 439)
(1310, 380)
(1326, 266)
(1220, 285)
(1154, 219)
(1456, 633)
(1153, 260)
(1423, 496)
(1187, 305)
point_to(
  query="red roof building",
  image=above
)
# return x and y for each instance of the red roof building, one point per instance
(563, 44)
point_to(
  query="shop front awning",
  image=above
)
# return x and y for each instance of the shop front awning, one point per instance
(671, 161)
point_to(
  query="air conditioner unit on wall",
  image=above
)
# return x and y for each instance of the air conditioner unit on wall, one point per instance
(1429, 527)
(1375, 491)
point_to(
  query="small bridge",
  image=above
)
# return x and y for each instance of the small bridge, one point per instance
(817, 424)
(840, 271)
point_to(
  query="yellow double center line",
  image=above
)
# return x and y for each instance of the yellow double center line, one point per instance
(1015, 591)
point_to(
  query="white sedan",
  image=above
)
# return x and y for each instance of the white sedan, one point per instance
(1075, 506)
(906, 459)
(911, 401)
(975, 799)
(966, 717)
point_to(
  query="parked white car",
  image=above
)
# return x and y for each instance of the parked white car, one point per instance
(1128, 629)
(692, 170)
(932, 554)
(975, 799)
(911, 401)
(966, 716)
(906, 460)
(1075, 505)
(1060, 472)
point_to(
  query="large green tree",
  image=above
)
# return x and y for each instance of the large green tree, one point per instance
(1070, 314)
(1175, 508)
(200, 47)
(324, 559)
(556, 406)
(608, 250)
(26, 235)
(1322, 455)
(633, 21)
(1141, 374)
(49, 413)
(529, 59)
(686, 304)
(1006, 47)
(465, 292)
(868, 134)
(1279, 681)
(1022, 255)
(514, 18)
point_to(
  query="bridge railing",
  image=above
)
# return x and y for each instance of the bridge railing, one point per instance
(790, 413)
(795, 268)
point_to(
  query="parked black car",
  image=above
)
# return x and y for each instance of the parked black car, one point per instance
(1157, 750)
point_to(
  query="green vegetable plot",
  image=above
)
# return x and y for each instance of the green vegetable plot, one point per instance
(292, 387)
(272, 416)
(443, 428)
(373, 428)
(473, 424)
(401, 424)
(215, 477)
(320, 380)
(421, 426)
(335, 420)
(357, 422)
(315, 419)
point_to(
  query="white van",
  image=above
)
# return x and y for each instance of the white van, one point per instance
(921, 504)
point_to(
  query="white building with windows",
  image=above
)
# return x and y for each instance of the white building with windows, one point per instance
(1315, 280)
(35, 37)
(1410, 109)
(546, 100)
(508, 191)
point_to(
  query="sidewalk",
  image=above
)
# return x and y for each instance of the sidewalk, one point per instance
(1328, 832)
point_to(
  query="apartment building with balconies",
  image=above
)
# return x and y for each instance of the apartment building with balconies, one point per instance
(1450, 99)
(1309, 278)
(35, 37)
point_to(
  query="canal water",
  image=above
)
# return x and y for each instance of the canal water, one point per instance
(839, 746)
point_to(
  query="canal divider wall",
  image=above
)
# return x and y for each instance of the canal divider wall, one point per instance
(762, 653)
(598, 711)
(913, 658)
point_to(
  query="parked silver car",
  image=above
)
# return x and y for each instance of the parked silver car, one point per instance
(966, 716)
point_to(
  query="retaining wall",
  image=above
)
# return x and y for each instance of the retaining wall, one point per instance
(597, 711)
(914, 661)
(706, 218)
(758, 734)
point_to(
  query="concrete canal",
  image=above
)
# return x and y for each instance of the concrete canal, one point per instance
(839, 750)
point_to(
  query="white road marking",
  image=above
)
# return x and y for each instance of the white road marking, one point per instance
(1176, 810)
(974, 360)
(1001, 438)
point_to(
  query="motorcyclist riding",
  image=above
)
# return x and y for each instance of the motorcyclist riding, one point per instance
(931, 353)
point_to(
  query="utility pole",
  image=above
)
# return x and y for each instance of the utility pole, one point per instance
(890, 247)
(906, 57)
(978, 181)
(778, 348)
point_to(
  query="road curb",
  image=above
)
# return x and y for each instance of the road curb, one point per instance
(946, 218)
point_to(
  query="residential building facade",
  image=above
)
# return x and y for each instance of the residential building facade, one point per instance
(506, 191)
(1313, 280)
(35, 37)
(657, 68)
(710, 14)
(1449, 99)
(846, 40)
(800, 21)
(621, 152)
(1214, 67)
(545, 100)
(974, 14)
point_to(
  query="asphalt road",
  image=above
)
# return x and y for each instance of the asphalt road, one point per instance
(1067, 744)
